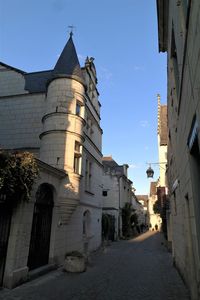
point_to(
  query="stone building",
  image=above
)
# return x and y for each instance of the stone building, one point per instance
(162, 190)
(141, 206)
(179, 36)
(54, 114)
(116, 191)
(162, 141)
(154, 219)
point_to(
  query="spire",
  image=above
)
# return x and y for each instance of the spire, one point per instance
(68, 63)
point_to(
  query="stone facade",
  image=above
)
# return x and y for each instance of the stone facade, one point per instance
(162, 141)
(179, 36)
(140, 204)
(116, 191)
(54, 114)
(154, 219)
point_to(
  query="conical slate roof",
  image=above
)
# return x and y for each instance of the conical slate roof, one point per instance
(68, 63)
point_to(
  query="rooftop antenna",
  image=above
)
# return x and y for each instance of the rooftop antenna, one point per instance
(71, 29)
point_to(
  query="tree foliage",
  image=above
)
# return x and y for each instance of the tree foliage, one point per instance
(127, 212)
(18, 171)
(157, 207)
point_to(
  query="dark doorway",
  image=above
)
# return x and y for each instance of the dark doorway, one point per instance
(41, 227)
(108, 227)
(5, 220)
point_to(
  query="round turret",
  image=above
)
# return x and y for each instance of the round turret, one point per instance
(63, 121)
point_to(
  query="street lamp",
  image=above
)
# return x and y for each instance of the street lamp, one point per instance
(150, 171)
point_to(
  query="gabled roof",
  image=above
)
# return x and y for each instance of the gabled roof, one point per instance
(109, 161)
(12, 68)
(144, 198)
(68, 63)
(110, 165)
(36, 82)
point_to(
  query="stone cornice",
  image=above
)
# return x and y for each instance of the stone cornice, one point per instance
(110, 208)
(61, 131)
(89, 205)
(93, 144)
(21, 95)
(93, 157)
(44, 166)
(62, 113)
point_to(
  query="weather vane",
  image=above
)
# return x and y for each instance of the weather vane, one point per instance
(71, 27)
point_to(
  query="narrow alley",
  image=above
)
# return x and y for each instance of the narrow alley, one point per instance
(137, 269)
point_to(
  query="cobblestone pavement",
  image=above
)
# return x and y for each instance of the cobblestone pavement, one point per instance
(138, 269)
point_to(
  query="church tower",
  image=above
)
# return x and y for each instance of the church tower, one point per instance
(63, 121)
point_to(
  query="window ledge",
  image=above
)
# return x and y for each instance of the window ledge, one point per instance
(88, 192)
(77, 175)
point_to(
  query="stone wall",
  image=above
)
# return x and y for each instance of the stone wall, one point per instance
(183, 111)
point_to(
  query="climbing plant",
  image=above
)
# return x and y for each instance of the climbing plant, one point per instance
(18, 171)
(127, 211)
(157, 207)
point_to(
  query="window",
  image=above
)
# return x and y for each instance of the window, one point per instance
(174, 61)
(89, 127)
(91, 87)
(77, 147)
(105, 193)
(185, 10)
(77, 158)
(78, 109)
(88, 175)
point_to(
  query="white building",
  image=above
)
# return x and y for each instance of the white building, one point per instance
(140, 204)
(117, 190)
(154, 218)
(54, 114)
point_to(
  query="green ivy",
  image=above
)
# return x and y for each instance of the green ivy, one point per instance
(18, 172)
(127, 212)
(157, 207)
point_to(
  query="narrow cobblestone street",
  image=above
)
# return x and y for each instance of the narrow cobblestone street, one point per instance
(138, 269)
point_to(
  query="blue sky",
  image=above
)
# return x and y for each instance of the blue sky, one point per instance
(122, 37)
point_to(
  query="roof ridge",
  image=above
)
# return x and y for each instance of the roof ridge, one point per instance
(13, 68)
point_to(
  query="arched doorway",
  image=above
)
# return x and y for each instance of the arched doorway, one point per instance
(41, 227)
(5, 220)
